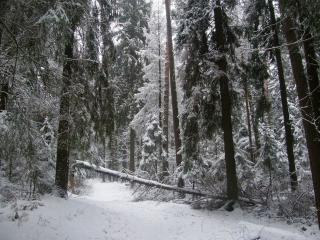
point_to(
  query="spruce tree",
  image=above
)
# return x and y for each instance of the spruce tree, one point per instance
(220, 43)
(74, 12)
(283, 91)
(312, 135)
(173, 87)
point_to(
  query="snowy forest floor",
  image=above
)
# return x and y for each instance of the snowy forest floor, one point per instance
(107, 211)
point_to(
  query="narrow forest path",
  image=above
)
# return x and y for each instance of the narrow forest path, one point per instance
(108, 212)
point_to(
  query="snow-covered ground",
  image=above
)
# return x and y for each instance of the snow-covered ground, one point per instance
(108, 212)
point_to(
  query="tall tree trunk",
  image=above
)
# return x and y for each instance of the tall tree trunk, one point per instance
(313, 77)
(4, 95)
(174, 97)
(4, 86)
(165, 126)
(107, 58)
(246, 89)
(113, 162)
(255, 126)
(312, 136)
(104, 156)
(160, 91)
(284, 101)
(63, 144)
(132, 150)
(311, 62)
(159, 70)
(232, 182)
(3, 10)
(160, 83)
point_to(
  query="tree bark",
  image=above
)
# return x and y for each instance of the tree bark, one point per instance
(255, 126)
(132, 150)
(284, 101)
(165, 124)
(313, 77)
(312, 136)
(160, 85)
(312, 62)
(3, 10)
(232, 182)
(4, 96)
(113, 162)
(174, 98)
(4, 86)
(246, 89)
(159, 73)
(63, 144)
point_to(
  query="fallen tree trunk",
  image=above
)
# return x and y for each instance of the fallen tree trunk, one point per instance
(150, 183)
(134, 179)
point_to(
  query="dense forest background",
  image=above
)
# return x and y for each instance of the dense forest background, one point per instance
(217, 95)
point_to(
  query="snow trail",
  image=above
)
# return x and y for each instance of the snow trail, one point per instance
(108, 212)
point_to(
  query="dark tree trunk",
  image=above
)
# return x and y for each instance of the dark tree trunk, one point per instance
(174, 98)
(312, 136)
(160, 92)
(10, 168)
(113, 162)
(159, 73)
(255, 126)
(232, 182)
(3, 9)
(312, 62)
(284, 101)
(313, 77)
(246, 89)
(160, 87)
(132, 134)
(165, 124)
(4, 86)
(4, 95)
(63, 144)
(108, 111)
(104, 154)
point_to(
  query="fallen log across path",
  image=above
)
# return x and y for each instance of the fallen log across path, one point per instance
(134, 179)
(150, 183)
